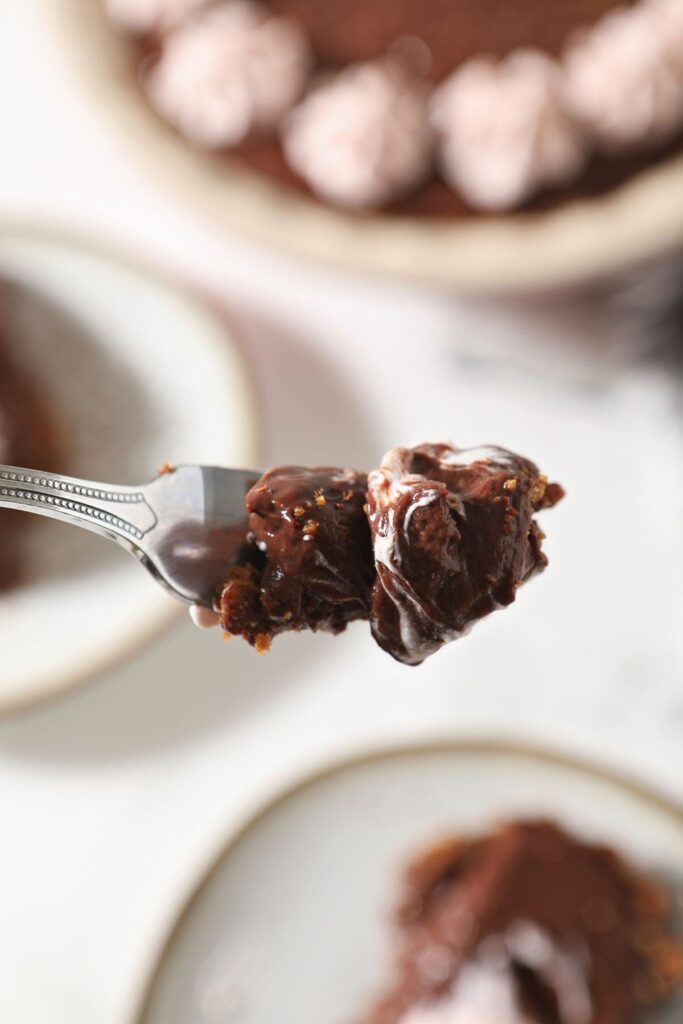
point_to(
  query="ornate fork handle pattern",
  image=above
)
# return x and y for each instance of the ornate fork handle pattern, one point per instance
(187, 526)
(118, 513)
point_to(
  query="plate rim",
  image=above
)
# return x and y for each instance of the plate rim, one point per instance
(583, 241)
(60, 686)
(587, 766)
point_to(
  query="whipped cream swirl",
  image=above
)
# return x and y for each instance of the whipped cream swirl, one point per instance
(624, 77)
(362, 138)
(503, 132)
(232, 70)
(144, 16)
(485, 990)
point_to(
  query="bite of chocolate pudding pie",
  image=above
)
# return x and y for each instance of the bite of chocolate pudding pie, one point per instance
(432, 540)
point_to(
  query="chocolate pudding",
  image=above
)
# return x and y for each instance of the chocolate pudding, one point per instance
(311, 564)
(434, 539)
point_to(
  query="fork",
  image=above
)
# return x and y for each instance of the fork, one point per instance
(187, 527)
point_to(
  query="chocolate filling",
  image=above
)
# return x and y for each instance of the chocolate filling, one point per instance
(433, 540)
(346, 31)
(311, 555)
(577, 934)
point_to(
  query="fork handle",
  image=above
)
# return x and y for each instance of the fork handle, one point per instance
(121, 514)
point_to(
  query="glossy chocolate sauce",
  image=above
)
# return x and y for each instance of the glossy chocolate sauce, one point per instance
(454, 538)
(311, 564)
(433, 540)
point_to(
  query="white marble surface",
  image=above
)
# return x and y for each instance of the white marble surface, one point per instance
(112, 800)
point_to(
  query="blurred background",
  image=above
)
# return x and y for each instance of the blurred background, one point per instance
(163, 315)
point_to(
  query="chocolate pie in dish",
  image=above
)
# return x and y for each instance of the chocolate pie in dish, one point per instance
(422, 547)
(442, 108)
(529, 925)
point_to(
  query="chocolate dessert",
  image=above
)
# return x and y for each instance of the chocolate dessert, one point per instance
(434, 539)
(26, 439)
(528, 925)
(312, 556)
(443, 108)
(454, 537)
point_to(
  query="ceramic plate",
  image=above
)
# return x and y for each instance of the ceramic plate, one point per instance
(581, 240)
(291, 923)
(138, 373)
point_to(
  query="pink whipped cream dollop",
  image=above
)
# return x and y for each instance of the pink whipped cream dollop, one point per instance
(670, 13)
(144, 16)
(500, 131)
(624, 77)
(485, 990)
(503, 132)
(362, 138)
(232, 70)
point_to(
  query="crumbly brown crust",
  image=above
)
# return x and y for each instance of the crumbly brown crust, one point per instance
(311, 558)
(344, 32)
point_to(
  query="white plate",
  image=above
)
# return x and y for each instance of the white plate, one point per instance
(139, 373)
(575, 243)
(291, 924)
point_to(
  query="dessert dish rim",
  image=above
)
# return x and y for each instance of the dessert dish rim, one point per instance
(61, 684)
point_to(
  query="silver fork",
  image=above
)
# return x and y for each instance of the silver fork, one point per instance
(187, 527)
